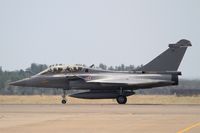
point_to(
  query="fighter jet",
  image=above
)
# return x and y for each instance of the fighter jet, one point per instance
(93, 83)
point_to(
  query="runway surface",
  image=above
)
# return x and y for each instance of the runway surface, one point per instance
(99, 118)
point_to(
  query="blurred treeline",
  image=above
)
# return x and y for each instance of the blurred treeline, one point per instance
(186, 87)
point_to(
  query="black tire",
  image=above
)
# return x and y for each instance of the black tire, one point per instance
(121, 99)
(64, 101)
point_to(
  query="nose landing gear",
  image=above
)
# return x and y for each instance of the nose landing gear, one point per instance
(64, 100)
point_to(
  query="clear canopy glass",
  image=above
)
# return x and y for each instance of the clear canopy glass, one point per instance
(54, 69)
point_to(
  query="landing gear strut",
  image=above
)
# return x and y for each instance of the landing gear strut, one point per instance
(64, 100)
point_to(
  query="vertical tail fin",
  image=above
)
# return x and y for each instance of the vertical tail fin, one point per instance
(170, 59)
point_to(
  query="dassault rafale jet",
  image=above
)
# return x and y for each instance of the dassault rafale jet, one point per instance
(93, 83)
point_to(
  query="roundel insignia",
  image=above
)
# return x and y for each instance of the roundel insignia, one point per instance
(88, 78)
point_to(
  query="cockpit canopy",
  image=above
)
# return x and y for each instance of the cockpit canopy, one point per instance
(59, 69)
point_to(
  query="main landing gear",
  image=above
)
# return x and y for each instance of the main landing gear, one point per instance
(121, 99)
(64, 100)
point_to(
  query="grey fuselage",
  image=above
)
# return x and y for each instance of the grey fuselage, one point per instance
(97, 83)
(78, 81)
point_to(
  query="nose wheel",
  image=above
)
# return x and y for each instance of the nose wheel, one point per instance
(64, 100)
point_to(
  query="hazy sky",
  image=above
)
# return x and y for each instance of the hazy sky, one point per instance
(95, 31)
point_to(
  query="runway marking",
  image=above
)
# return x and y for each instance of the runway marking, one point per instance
(189, 128)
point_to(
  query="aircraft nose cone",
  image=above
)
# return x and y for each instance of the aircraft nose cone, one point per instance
(22, 82)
